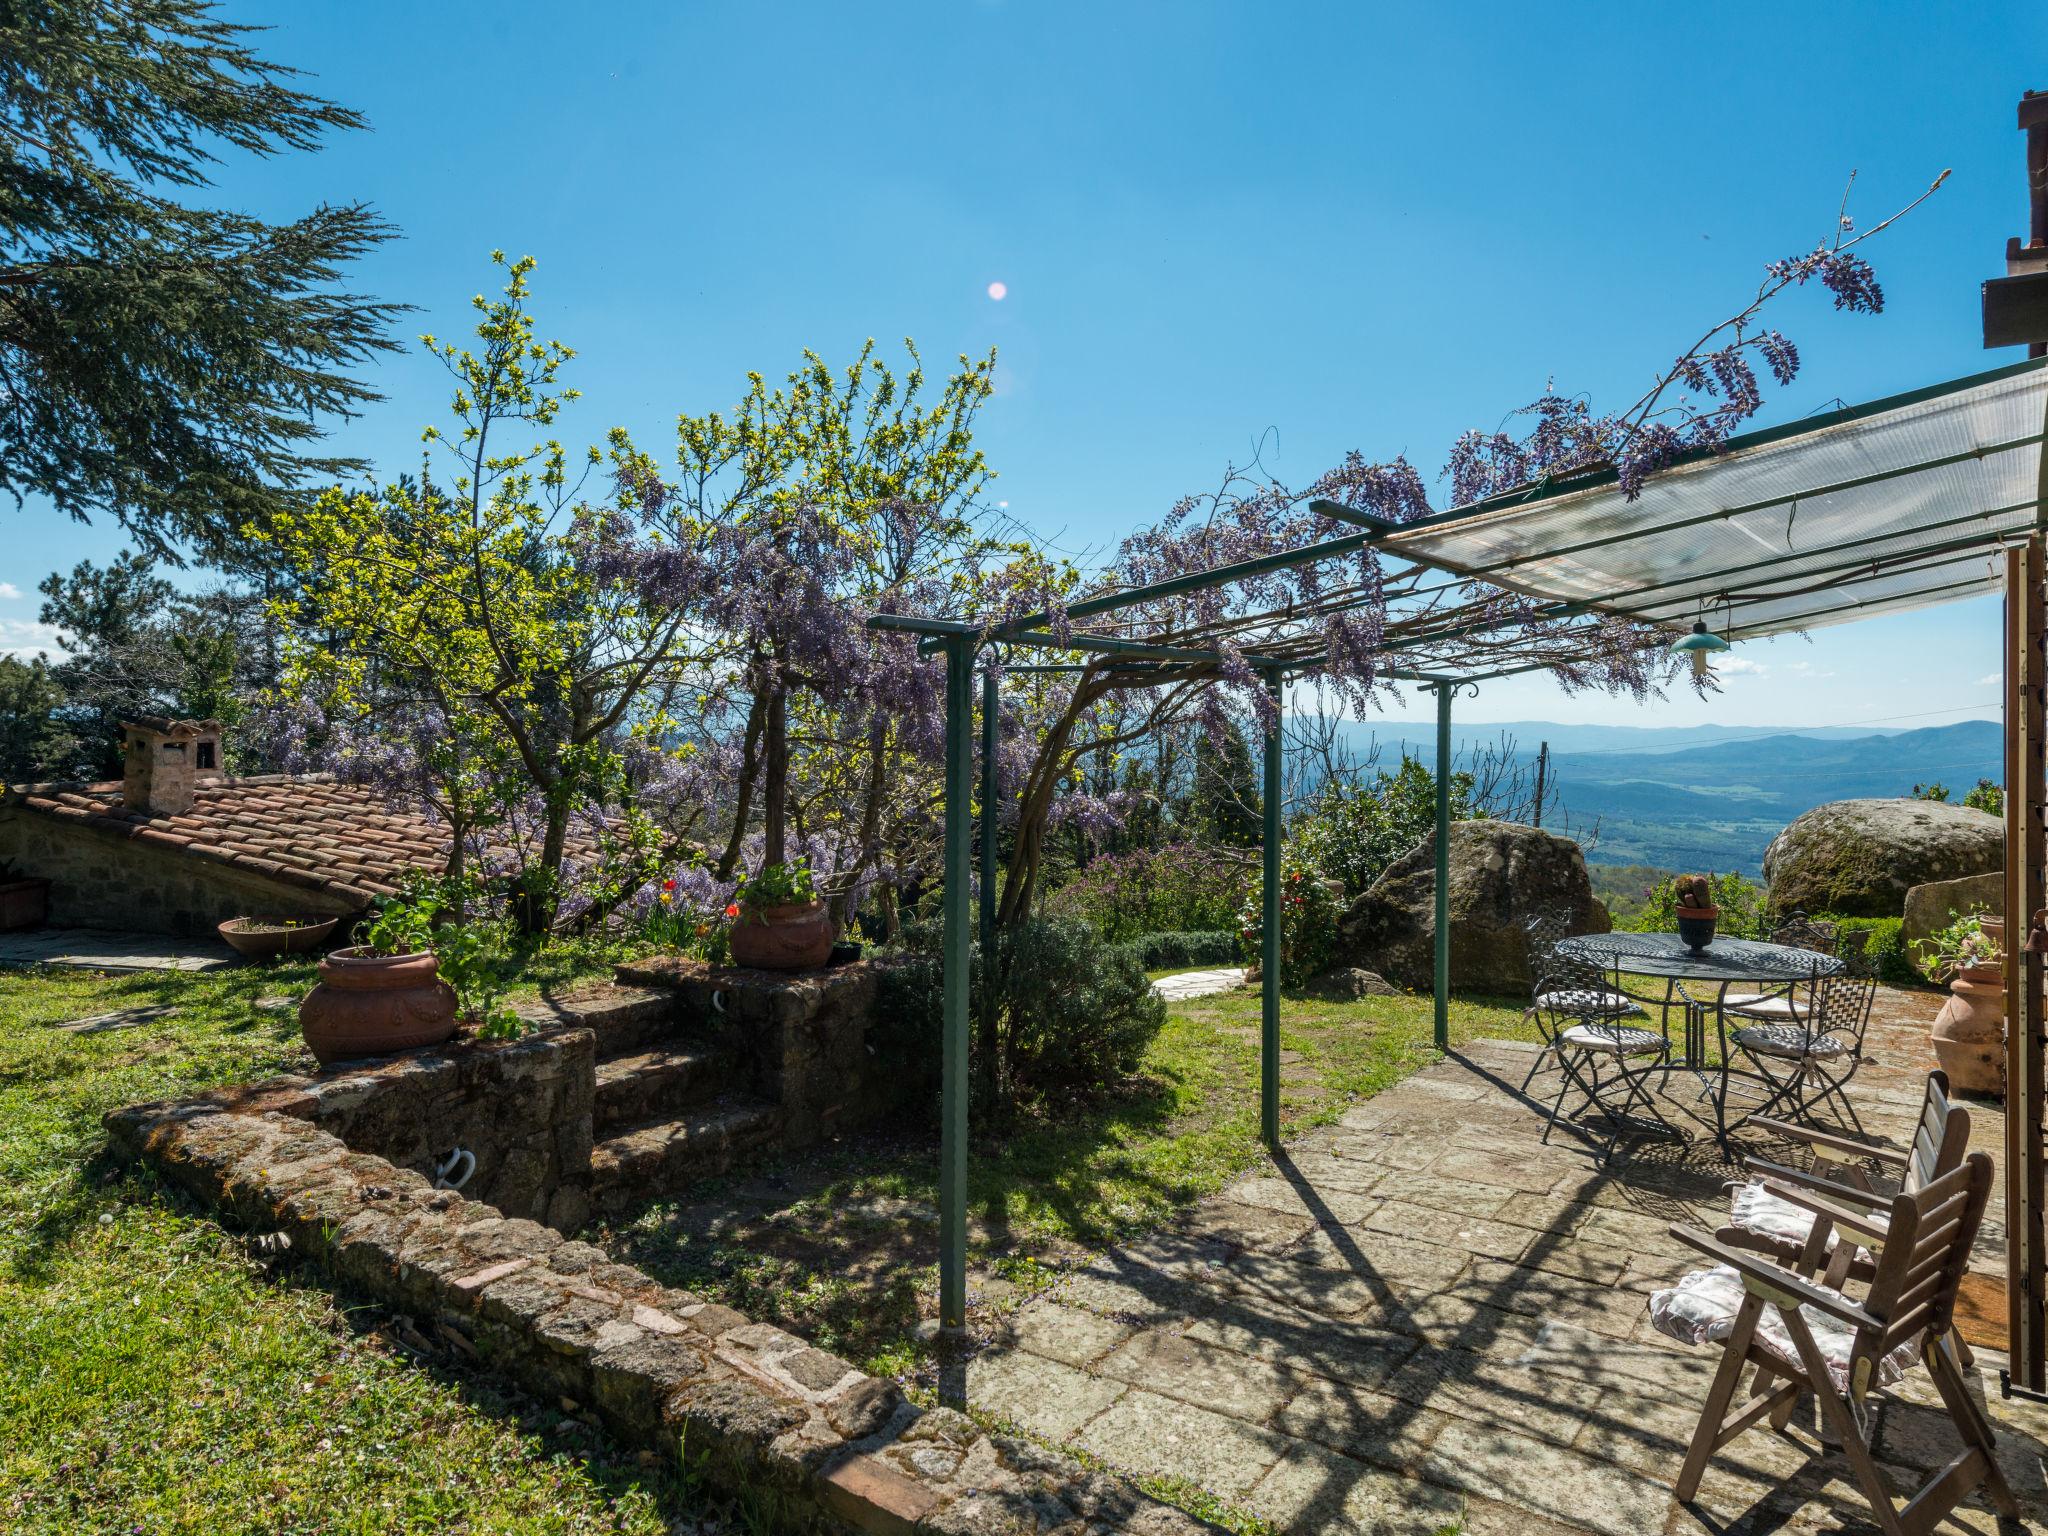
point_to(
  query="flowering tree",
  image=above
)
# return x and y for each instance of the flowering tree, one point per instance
(1342, 622)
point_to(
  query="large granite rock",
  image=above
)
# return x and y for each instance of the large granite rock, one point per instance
(1502, 874)
(1858, 858)
(1940, 902)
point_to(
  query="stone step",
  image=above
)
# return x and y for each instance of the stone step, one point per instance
(664, 1155)
(632, 1090)
(625, 1019)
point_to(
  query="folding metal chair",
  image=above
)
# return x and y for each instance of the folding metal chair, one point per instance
(1808, 1061)
(1544, 930)
(1806, 1338)
(1782, 1004)
(1584, 1017)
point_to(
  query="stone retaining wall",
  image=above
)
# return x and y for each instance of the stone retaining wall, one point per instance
(663, 1369)
(522, 1107)
(803, 1036)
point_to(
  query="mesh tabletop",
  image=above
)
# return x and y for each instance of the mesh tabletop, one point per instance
(1666, 955)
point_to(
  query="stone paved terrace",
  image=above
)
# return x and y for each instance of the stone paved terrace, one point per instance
(93, 949)
(1423, 1314)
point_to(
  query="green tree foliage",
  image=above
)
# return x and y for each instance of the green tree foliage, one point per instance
(1740, 899)
(1354, 830)
(1224, 805)
(131, 643)
(1935, 791)
(30, 733)
(165, 363)
(1986, 795)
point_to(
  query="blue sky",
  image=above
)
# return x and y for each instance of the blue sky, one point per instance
(1307, 227)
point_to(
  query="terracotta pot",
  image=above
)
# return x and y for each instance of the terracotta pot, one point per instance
(1696, 926)
(24, 904)
(1969, 1032)
(274, 938)
(796, 937)
(374, 1005)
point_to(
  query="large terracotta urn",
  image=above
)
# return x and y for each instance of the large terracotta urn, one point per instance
(794, 937)
(372, 1005)
(1969, 1032)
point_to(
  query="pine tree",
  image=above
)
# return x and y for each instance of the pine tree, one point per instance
(165, 363)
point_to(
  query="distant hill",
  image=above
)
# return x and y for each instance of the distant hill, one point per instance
(1713, 797)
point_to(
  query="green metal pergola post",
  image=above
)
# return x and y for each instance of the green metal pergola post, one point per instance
(959, 795)
(1445, 692)
(988, 815)
(1269, 929)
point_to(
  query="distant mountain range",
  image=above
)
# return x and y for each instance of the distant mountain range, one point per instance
(1713, 797)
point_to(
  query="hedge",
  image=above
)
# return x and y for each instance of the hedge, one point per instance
(1171, 951)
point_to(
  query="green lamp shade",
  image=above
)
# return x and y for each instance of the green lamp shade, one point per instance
(1697, 647)
(1702, 639)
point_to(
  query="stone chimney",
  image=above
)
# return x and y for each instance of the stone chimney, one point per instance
(166, 759)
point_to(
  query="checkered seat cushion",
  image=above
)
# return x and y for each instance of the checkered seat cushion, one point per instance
(1619, 1039)
(1589, 1001)
(1754, 1209)
(1776, 1007)
(1701, 1309)
(1794, 1042)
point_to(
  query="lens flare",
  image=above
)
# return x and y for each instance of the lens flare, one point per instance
(998, 291)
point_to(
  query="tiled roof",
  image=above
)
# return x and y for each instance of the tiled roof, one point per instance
(307, 831)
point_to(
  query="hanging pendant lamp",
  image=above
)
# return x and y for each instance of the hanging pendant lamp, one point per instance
(1700, 646)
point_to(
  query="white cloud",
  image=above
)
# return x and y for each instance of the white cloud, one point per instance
(1989, 680)
(23, 639)
(9, 592)
(1742, 666)
(1806, 669)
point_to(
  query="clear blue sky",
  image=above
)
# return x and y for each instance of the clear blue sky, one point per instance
(1327, 226)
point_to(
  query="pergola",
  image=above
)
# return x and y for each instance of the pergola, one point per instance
(1923, 498)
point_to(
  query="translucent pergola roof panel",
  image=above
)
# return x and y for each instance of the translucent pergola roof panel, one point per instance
(1879, 508)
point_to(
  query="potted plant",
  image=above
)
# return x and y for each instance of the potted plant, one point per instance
(781, 924)
(384, 994)
(259, 938)
(24, 901)
(1969, 1033)
(1697, 913)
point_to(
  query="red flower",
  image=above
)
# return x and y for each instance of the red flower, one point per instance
(668, 885)
(732, 910)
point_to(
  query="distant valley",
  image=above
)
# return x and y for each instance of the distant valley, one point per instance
(1708, 797)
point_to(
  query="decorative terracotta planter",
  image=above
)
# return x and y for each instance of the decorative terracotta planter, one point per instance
(24, 904)
(796, 937)
(267, 937)
(1969, 1032)
(1696, 926)
(374, 1005)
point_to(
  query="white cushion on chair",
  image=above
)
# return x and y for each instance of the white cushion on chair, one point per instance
(1795, 1042)
(1759, 1005)
(1621, 1039)
(1701, 1309)
(1752, 1208)
(1588, 1000)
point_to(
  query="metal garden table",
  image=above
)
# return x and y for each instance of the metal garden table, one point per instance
(1668, 958)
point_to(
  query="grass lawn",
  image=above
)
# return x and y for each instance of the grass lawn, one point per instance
(158, 1379)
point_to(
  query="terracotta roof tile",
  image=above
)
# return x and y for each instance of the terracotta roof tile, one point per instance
(311, 832)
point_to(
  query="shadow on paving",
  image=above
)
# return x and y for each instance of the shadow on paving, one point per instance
(1354, 1342)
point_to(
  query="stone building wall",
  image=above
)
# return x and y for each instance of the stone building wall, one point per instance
(103, 880)
(522, 1107)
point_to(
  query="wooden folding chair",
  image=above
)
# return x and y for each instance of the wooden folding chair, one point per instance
(1763, 1223)
(1805, 1337)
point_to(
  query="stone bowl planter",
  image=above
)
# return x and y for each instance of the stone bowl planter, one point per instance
(1969, 1033)
(373, 1005)
(24, 904)
(795, 937)
(1696, 926)
(258, 938)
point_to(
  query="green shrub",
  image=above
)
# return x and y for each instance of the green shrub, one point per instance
(1308, 925)
(1354, 831)
(1074, 1012)
(1180, 887)
(1884, 952)
(1171, 951)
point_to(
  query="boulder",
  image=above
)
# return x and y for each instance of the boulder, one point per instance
(1502, 874)
(1348, 983)
(1858, 858)
(1939, 902)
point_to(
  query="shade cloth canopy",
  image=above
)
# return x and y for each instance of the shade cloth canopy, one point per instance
(1878, 508)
